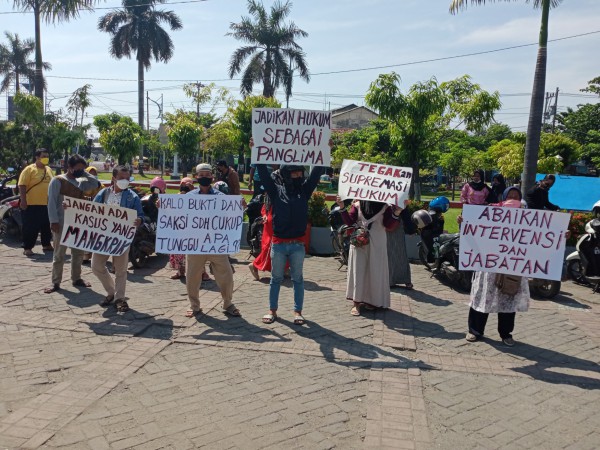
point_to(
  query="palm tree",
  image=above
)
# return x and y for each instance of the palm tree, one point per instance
(536, 109)
(272, 49)
(15, 62)
(136, 30)
(52, 11)
(79, 101)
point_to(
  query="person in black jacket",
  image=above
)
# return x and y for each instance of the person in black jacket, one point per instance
(290, 217)
(537, 196)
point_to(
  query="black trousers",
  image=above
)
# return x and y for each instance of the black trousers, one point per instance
(257, 188)
(477, 321)
(35, 221)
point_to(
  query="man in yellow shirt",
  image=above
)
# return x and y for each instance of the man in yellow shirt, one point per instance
(33, 190)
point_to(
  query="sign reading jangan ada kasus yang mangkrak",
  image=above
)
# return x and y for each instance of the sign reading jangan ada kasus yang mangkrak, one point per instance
(374, 182)
(291, 136)
(97, 227)
(515, 241)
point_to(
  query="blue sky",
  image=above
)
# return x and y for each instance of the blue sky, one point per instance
(343, 35)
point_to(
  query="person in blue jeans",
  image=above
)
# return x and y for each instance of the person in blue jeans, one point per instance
(289, 197)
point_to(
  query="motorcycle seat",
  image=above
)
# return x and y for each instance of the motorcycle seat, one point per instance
(447, 237)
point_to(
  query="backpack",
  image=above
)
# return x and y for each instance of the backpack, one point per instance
(255, 240)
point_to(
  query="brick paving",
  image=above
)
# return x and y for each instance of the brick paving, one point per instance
(75, 375)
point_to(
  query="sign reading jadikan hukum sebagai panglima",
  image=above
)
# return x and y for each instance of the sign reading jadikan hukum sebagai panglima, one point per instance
(291, 136)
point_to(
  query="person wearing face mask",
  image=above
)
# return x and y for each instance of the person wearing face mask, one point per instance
(74, 184)
(117, 194)
(33, 191)
(289, 200)
(87, 257)
(195, 264)
(537, 196)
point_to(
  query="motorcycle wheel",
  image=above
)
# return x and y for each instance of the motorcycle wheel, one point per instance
(547, 288)
(137, 257)
(574, 270)
(3, 228)
(423, 256)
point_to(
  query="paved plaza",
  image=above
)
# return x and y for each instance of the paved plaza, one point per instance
(75, 375)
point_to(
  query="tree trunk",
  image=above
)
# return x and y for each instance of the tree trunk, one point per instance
(39, 75)
(267, 85)
(141, 112)
(536, 110)
(17, 82)
(414, 192)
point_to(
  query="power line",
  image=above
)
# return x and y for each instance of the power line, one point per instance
(111, 7)
(443, 58)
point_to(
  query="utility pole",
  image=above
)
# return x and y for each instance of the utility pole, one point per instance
(555, 110)
(198, 86)
(147, 111)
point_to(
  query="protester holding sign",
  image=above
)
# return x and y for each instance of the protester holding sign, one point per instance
(488, 297)
(117, 194)
(476, 192)
(72, 184)
(195, 263)
(368, 273)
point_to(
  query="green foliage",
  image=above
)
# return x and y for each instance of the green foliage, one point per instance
(316, 205)
(583, 126)
(241, 115)
(185, 135)
(104, 122)
(222, 139)
(79, 102)
(550, 164)
(207, 95)
(593, 86)
(271, 49)
(552, 145)
(509, 157)
(122, 140)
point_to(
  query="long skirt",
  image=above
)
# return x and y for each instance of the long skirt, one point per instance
(399, 268)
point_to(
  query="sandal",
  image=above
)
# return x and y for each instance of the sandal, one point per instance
(81, 283)
(107, 301)
(177, 276)
(232, 311)
(471, 337)
(206, 277)
(28, 252)
(54, 288)
(122, 306)
(408, 286)
(355, 311)
(48, 248)
(299, 320)
(269, 318)
(192, 313)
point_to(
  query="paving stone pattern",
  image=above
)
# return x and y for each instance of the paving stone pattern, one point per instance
(75, 375)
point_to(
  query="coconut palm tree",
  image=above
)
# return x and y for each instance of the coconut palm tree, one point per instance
(15, 62)
(136, 30)
(271, 48)
(52, 11)
(536, 110)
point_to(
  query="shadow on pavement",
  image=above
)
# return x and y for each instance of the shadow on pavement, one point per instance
(132, 323)
(236, 329)
(411, 326)
(420, 296)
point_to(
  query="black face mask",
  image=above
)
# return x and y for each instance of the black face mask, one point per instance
(297, 182)
(204, 181)
(78, 173)
(184, 189)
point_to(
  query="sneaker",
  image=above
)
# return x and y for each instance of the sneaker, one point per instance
(509, 342)
(470, 337)
(254, 272)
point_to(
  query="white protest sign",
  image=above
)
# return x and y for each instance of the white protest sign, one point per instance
(516, 241)
(375, 182)
(97, 228)
(197, 224)
(291, 136)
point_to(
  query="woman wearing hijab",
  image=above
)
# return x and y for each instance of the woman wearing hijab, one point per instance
(476, 192)
(487, 298)
(368, 274)
(498, 185)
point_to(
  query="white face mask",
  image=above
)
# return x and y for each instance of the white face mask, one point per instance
(122, 184)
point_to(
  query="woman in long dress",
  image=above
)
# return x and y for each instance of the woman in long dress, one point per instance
(399, 267)
(487, 298)
(368, 274)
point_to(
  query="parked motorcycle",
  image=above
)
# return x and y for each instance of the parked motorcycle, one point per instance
(144, 241)
(11, 222)
(255, 225)
(544, 288)
(583, 265)
(445, 261)
(340, 234)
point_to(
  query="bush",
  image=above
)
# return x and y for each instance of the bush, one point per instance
(316, 205)
(577, 225)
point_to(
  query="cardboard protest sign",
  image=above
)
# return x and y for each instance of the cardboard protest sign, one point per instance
(517, 241)
(199, 224)
(291, 136)
(97, 228)
(375, 182)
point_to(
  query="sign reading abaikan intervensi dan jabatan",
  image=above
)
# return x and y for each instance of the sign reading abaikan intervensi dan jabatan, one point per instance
(291, 136)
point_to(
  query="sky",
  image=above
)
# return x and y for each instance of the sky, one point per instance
(349, 43)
